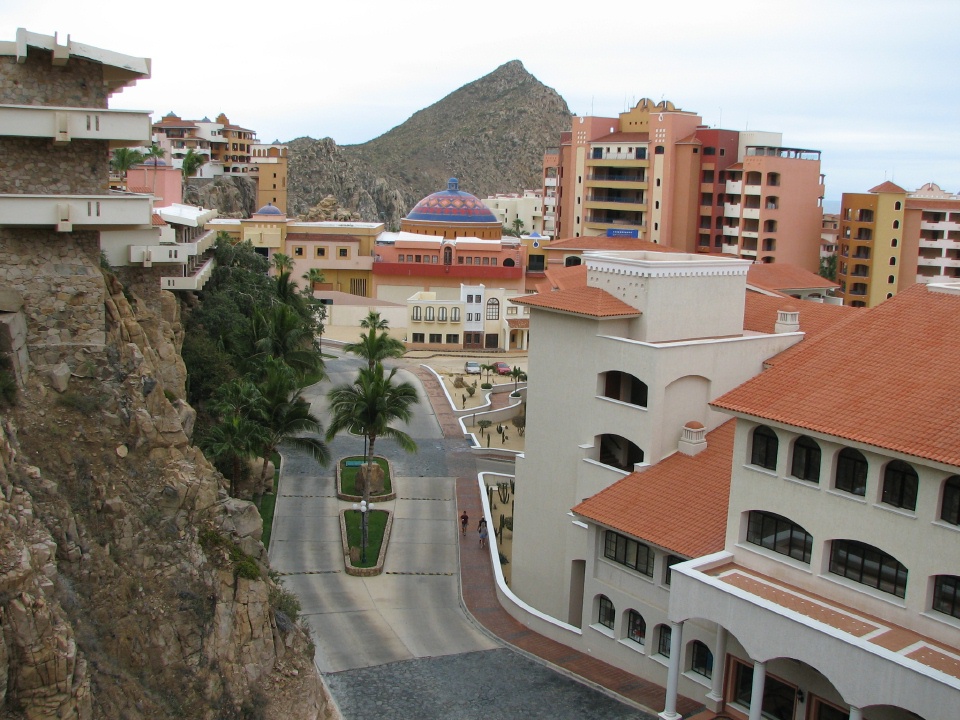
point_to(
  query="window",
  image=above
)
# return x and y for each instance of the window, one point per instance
(701, 659)
(869, 566)
(779, 534)
(900, 485)
(417, 258)
(663, 640)
(321, 252)
(436, 338)
(428, 314)
(764, 449)
(950, 506)
(486, 261)
(409, 258)
(342, 252)
(658, 150)
(453, 339)
(417, 337)
(773, 179)
(946, 595)
(671, 561)
(512, 310)
(806, 460)
(442, 314)
(459, 261)
(709, 151)
(851, 472)
(493, 309)
(400, 258)
(633, 554)
(298, 251)
(455, 314)
(636, 627)
(469, 261)
(606, 613)
(493, 261)
(416, 312)
(897, 205)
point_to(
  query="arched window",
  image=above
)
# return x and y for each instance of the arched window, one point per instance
(869, 566)
(769, 225)
(897, 205)
(636, 627)
(893, 261)
(946, 595)
(428, 314)
(455, 314)
(851, 472)
(625, 387)
(571, 261)
(606, 613)
(806, 460)
(764, 449)
(701, 659)
(773, 179)
(896, 224)
(777, 533)
(442, 314)
(900, 485)
(448, 255)
(950, 504)
(509, 262)
(493, 309)
(769, 245)
(416, 312)
(894, 242)
(663, 640)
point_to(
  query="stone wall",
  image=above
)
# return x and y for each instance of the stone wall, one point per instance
(58, 276)
(34, 166)
(38, 81)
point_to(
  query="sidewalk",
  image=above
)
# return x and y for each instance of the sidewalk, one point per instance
(480, 598)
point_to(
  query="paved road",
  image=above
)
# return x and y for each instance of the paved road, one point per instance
(399, 645)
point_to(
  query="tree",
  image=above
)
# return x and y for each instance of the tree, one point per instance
(232, 441)
(517, 227)
(192, 162)
(828, 267)
(154, 153)
(376, 345)
(314, 277)
(518, 376)
(488, 369)
(125, 158)
(282, 263)
(279, 332)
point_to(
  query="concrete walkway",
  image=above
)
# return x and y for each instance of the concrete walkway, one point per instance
(478, 588)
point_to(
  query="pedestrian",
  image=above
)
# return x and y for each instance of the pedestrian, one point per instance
(483, 533)
(464, 519)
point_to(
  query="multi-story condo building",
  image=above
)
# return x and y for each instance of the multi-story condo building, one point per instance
(657, 173)
(891, 239)
(527, 207)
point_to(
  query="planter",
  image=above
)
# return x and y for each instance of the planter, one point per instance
(376, 569)
(382, 497)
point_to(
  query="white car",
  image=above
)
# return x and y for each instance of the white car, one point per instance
(471, 368)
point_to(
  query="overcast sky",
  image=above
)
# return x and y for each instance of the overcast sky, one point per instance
(874, 85)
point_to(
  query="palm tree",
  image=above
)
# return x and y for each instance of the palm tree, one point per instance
(488, 369)
(284, 415)
(282, 263)
(192, 162)
(155, 153)
(279, 332)
(314, 276)
(376, 345)
(518, 375)
(232, 441)
(371, 403)
(125, 158)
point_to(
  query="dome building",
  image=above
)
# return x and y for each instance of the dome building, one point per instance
(452, 213)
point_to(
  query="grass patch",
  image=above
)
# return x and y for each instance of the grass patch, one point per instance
(268, 502)
(348, 476)
(375, 526)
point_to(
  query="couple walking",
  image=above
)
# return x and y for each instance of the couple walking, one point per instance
(481, 527)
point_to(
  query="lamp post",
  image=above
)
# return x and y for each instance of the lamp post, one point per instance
(364, 507)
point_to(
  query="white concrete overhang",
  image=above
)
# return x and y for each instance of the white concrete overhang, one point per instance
(63, 124)
(192, 282)
(64, 212)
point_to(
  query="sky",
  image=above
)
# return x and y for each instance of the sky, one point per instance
(873, 85)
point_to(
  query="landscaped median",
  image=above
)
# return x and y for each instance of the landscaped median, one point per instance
(379, 521)
(347, 475)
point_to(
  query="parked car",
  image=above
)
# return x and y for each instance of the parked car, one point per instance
(471, 368)
(501, 368)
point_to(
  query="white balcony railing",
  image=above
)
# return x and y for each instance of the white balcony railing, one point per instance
(731, 210)
(734, 186)
(751, 189)
(193, 282)
(63, 212)
(752, 213)
(64, 124)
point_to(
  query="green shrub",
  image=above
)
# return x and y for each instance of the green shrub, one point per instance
(86, 404)
(486, 386)
(282, 600)
(247, 568)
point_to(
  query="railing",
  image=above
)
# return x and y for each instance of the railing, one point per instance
(191, 282)
(64, 124)
(64, 211)
(616, 199)
(616, 177)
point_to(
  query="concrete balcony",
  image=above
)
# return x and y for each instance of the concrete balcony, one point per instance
(733, 249)
(750, 234)
(612, 203)
(942, 244)
(751, 189)
(178, 253)
(731, 231)
(731, 211)
(938, 262)
(63, 124)
(549, 182)
(191, 282)
(734, 187)
(942, 225)
(752, 213)
(85, 212)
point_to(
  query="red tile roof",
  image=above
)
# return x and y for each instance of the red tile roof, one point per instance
(932, 204)
(518, 324)
(141, 189)
(679, 504)
(760, 315)
(614, 244)
(887, 187)
(589, 301)
(624, 137)
(564, 278)
(157, 221)
(785, 276)
(886, 378)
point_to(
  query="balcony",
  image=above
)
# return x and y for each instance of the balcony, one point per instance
(615, 203)
(179, 252)
(731, 211)
(191, 282)
(939, 225)
(63, 212)
(732, 231)
(751, 189)
(751, 213)
(734, 187)
(733, 249)
(63, 124)
(549, 182)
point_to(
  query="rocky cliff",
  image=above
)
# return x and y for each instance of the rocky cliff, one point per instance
(490, 134)
(131, 585)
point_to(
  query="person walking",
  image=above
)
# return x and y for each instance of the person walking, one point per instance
(483, 533)
(464, 519)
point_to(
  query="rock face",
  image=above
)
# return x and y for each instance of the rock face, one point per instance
(490, 134)
(131, 585)
(234, 197)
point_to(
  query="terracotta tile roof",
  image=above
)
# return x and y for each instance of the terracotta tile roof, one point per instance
(887, 187)
(141, 189)
(932, 204)
(785, 276)
(760, 315)
(736, 166)
(692, 491)
(157, 221)
(900, 365)
(589, 301)
(601, 242)
(564, 278)
(518, 324)
(691, 139)
(623, 137)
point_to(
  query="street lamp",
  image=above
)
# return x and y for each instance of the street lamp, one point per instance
(364, 507)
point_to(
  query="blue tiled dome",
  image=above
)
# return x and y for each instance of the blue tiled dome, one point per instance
(452, 205)
(269, 209)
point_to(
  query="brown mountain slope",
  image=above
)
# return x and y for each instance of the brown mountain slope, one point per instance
(490, 134)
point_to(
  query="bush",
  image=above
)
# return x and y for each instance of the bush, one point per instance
(471, 389)
(486, 386)
(86, 404)
(284, 601)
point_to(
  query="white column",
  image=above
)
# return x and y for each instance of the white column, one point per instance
(673, 676)
(856, 713)
(756, 692)
(719, 653)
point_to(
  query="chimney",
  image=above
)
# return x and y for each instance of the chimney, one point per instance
(788, 320)
(693, 439)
